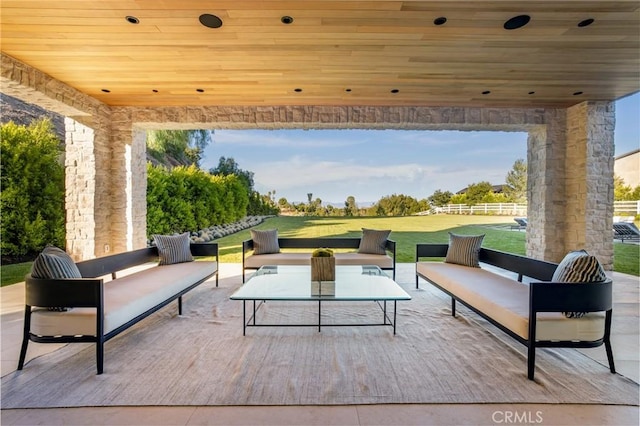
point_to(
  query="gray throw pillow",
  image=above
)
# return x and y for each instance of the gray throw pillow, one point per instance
(578, 267)
(464, 249)
(173, 248)
(265, 242)
(373, 241)
(54, 263)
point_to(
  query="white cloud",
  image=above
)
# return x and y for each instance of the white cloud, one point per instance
(299, 171)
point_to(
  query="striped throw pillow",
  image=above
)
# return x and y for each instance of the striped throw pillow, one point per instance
(173, 248)
(578, 267)
(265, 242)
(373, 241)
(54, 263)
(464, 249)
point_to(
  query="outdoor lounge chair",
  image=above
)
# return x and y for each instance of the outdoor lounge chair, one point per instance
(521, 223)
(625, 231)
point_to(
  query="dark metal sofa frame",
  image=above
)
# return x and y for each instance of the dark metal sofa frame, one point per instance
(88, 292)
(314, 243)
(625, 231)
(543, 297)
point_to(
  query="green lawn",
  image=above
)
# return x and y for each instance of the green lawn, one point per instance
(11, 274)
(406, 231)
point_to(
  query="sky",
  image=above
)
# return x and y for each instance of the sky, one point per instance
(371, 164)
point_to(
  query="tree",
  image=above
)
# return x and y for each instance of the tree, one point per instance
(623, 192)
(439, 198)
(258, 204)
(398, 205)
(516, 182)
(350, 206)
(228, 166)
(32, 188)
(283, 203)
(477, 191)
(178, 147)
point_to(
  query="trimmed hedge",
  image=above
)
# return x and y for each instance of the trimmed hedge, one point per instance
(32, 182)
(188, 198)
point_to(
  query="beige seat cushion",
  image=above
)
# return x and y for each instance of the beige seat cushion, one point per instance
(124, 299)
(507, 302)
(284, 258)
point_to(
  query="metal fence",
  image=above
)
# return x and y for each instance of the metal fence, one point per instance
(520, 209)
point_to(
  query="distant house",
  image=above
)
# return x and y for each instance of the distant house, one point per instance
(497, 189)
(627, 166)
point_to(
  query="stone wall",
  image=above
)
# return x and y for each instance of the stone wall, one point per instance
(328, 117)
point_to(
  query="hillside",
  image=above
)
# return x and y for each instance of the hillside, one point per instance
(12, 109)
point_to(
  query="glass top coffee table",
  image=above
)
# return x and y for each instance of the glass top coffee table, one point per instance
(293, 283)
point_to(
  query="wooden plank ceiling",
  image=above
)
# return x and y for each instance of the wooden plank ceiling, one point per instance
(333, 53)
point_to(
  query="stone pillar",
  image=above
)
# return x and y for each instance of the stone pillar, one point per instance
(129, 184)
(87, 182)
(80, 184)
(570, 183)
(589, 181)
(545, 188)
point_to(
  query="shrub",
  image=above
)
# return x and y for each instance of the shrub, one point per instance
(188, 199)
(32, 188)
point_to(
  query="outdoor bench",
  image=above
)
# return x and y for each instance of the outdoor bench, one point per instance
(98, 310)
(530, 313)
(256, 261)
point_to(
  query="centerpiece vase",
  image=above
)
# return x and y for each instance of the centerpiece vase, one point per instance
(323, 276)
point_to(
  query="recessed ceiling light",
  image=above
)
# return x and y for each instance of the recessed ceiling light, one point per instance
(132, 19)
(439, 21)
(200, 90)
(210, 21)
(586, 22)
(577, 93)
(286, 20)
(297, 90)
(486, 92)
(394, 90)
(106, 90)
(517, 22)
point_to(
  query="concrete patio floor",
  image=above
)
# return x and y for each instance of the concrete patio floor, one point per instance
(625, 341)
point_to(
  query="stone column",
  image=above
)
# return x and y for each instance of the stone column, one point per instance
(589, 181)
(80, 184)
(545, 187)
(570, 183)
(129, 183)
(87, 182)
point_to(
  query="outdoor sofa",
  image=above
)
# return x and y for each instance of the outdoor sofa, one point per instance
(90, 309)
(266, 248)
(539, 314)
(625, 231)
